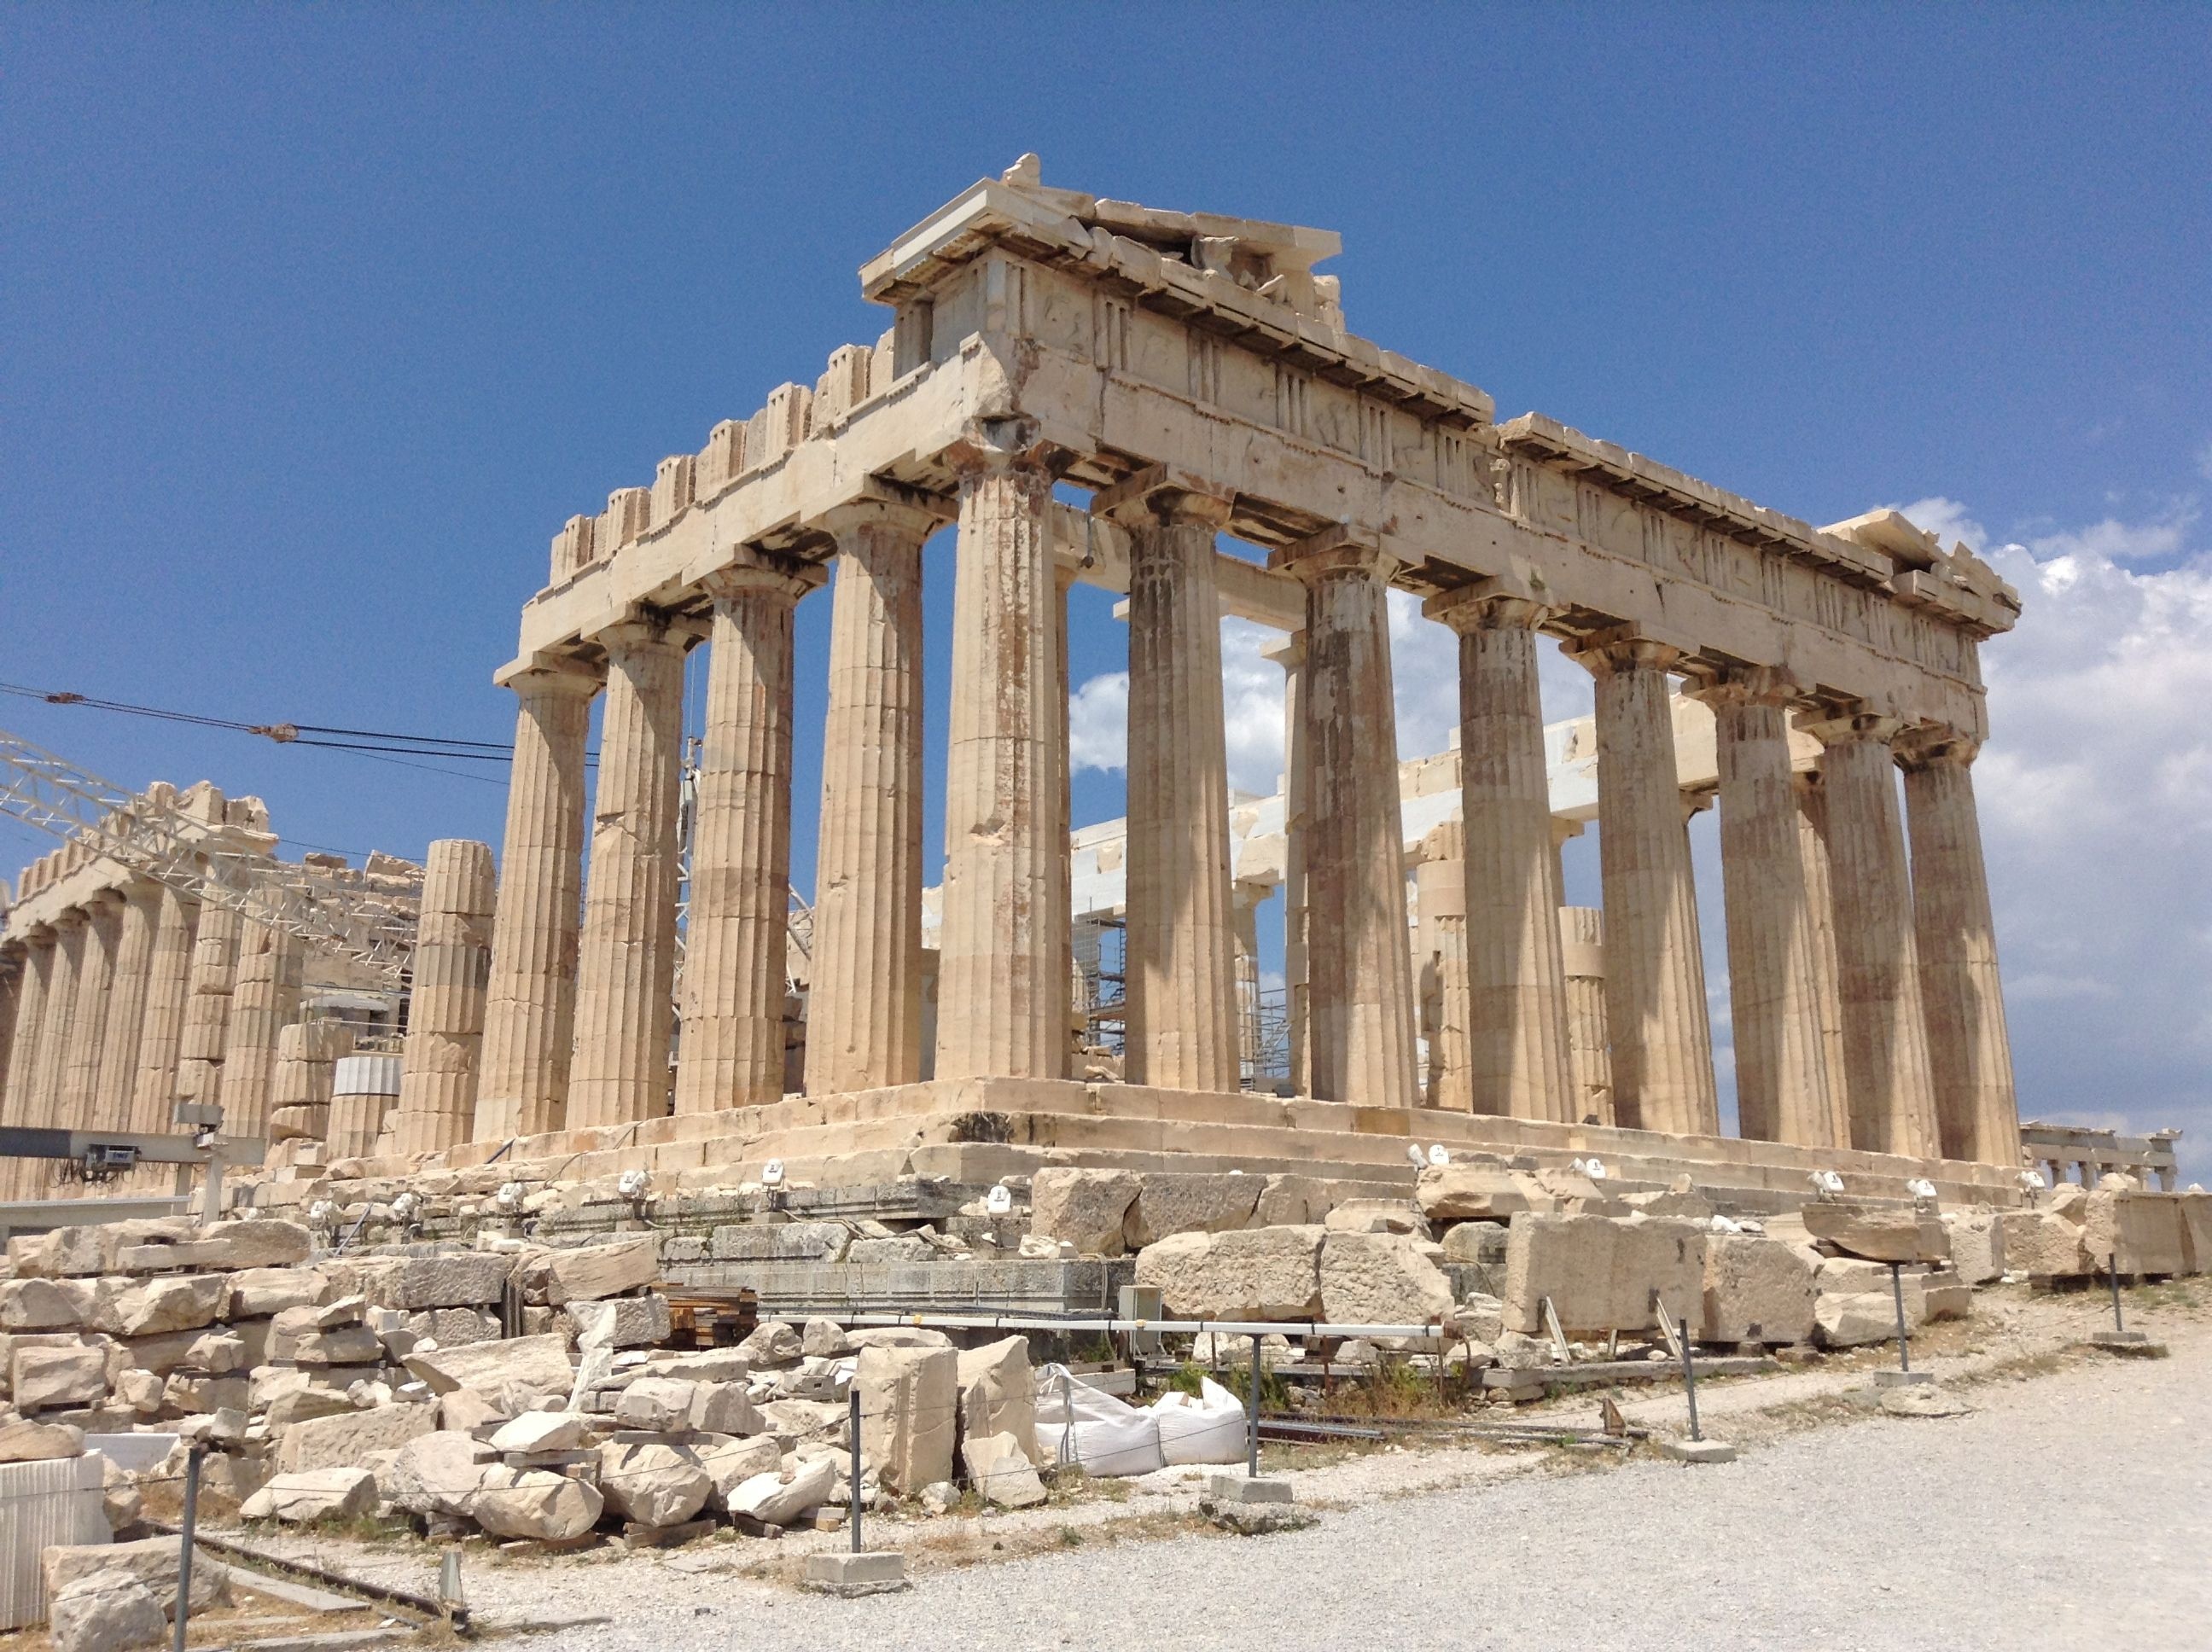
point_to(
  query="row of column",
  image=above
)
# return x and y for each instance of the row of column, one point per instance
(134, 1000)
(578, 1029)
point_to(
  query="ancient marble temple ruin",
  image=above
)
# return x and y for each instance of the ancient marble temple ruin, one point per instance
(1194, 376)
(1241, 454)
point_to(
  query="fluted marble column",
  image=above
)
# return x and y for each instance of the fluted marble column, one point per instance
(1291, 655)
(11, 1003)
(207, 1006)
(1182, 957)
(731, 1050)
(863, 1004)
(168, 986)
(1781, 1080)
(1820, 909)
(1360, 1015)
(265, 998)
(1004, 968)
(307, 1054)
(23, 1063)
(56, 1037)
(529, 1005)
(1886, 1068)
(80, 1101)
(1581, 955)
(1654, 975)
(438, 1073)
(1440, 968)
(1517, 1017)
(626, 968)
(126, 1008)
(1969, 1051)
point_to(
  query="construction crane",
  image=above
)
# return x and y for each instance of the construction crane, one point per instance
(372, 929)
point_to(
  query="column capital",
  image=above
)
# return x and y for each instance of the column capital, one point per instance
(1934, 745)
(1485, 606)
(1620, 648)
(1334, 553)
(753, 571)
(1834, 728)
(1290, 653)
(882, 506)
(641, 628)
(1748, 685)
(1167, 495)
(557, 675)
(68, 919)
(989, 447)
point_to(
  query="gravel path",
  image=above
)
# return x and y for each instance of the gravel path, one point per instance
(2073, 1509)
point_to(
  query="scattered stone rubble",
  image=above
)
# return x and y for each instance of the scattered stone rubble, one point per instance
(529, 1390)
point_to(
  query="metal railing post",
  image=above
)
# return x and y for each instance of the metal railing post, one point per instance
(1252, 1449)
(852, 1417)
(191, 1524)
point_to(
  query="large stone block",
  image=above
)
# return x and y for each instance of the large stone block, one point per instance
(262, 1292)
(261, 1241)
(535, 1503)
(1381, 1279)
(1470, 1193)
(512, 1375)
(38, 1304)
(1087, 1209)
(652, 1484)
(1756, 1291)
(1977, 1247)
(1182, 1202)
(1880, 1233)
(44, 1378)
(438, 1473)
(188, 1302)
(780, 1496)
(106, 1612)
(998, 1391)
(731, 1463)
(910, 1399)
(619, 1322)
(1853, 1319)
(1260, 1273)
(463, 1280)
(590, 1272)
(999, 1469)
(2195, 1231)
(2135, 1232)
(780, 1242)
(337, 1492)
(347, 1438)
(153, 1561)
(1601, 1273)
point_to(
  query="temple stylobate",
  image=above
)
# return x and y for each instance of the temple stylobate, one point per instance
(1194, 376)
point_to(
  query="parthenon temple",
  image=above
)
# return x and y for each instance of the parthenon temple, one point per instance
(1169, 406)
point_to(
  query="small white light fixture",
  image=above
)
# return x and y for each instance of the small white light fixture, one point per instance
(1440, 1155)
(772, 1173)
(1824, 1182)
(1921, 1188)
(999, 1199)
(1749, 1226)
(2033, 1181)
(406, 1208)
(1592, 1167)
(1723, 1224)
(322, 1214)
(633, 1185)
(1415, 1155)
(509, 1198)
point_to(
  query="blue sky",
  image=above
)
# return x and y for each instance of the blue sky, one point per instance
(317, 322)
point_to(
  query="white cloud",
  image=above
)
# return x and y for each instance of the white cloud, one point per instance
(2123, 542)
(1098, 723)
(1947, 519)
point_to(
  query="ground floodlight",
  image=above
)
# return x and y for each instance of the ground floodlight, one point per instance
(1440, 1155)
(2033, 1181)
(509, 1198)
(1921, 1188)
(772, 1173)
(1415, 1155)
(633, 1184)
(999, 1199)
(322, 1214)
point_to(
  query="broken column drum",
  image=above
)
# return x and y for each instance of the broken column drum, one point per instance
(441, 1067)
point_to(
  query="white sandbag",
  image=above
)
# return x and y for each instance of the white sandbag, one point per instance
(1104, 1436)
(1207, 1427)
